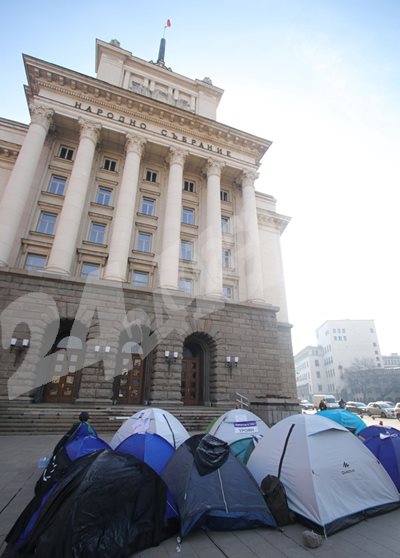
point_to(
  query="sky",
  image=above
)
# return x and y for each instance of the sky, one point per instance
(318, 78)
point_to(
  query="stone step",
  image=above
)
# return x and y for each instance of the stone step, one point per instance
(25, 418)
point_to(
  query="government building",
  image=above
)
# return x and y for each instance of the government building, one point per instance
(139, 265)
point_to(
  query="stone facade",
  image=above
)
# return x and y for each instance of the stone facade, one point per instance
(136, 256)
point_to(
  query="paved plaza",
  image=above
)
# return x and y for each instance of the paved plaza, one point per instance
(376, 537)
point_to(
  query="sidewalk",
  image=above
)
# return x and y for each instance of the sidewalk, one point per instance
(378, 537)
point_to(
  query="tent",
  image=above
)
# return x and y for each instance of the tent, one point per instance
(156, 452)
(349, 420)
(385, 445)
(241, 429)
(330, 478)
(152, 420)
(108, 504)
(77, 443)
(214, 489)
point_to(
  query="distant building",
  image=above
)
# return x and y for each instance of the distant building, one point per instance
(342, 344)
(309, 372)
(391, 361)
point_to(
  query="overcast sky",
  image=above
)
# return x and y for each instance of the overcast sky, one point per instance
(319, 78)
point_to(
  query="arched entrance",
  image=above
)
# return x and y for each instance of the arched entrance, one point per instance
(128, 386)
(195, 370)
(65, 379)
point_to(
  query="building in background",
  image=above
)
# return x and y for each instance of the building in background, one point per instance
(391, 361)
(139, 265)
(342, 344)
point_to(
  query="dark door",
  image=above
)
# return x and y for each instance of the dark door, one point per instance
(190, 388)
(128, 387)
(63, 387)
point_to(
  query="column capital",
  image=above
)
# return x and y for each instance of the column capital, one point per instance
(41, 115)
(249, 177)
(214, 167)
(134, 144)
(177, 156)
(89, 129)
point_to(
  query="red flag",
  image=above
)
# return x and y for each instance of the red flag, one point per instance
(168, 24)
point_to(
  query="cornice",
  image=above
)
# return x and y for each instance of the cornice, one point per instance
(9, 151)
(42, 74)
(272, 220)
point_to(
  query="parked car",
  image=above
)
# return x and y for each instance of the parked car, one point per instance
(306, 405)
(356, 407)
(381, 409)
(397, 409)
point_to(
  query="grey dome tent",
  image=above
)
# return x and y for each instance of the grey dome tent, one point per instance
(213, 489)
(331, 481)
(242, 429)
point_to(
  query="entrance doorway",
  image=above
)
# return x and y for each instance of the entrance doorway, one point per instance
(128, 386)
(64, 385)
(192, 379)
(190, 387)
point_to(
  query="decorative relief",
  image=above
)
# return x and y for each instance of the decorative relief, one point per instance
(177, 156)
(89, 129)
(249, 177)
(41, 115)
(214, 167)
(134, 144)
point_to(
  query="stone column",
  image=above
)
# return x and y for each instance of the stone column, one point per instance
(252, 253)
(15, 195)
(68, 222)
(212, 250)
(171, 234)
(125, 210)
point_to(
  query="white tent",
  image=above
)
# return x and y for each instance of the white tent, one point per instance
(152, 420)
(329, 478)
(238, 424)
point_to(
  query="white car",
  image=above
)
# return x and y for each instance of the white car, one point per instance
(381, 409)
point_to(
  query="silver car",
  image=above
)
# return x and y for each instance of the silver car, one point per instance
(381, 409)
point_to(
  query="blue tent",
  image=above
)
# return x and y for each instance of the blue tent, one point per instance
(347, 419)
(385, 445)
(79, 442)
(213, 489)
(84, 441)
(155, 451)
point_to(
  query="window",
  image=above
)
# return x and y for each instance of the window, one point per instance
(225, 224)
(224, 195)
(186, 250)
(110, 165)
(344, 338)
(316, 362)
(318, 374)
(148, 206)
(186, 285)
(57, 185)
(371, 330)
(187, 216)
(35, 262)
(189, 186)
(140, 279)
(91, 270)
(228, 291)
(319, 387)
(47, 223)
(151, 176)
(226, 258)
(144, 242)
(103, 196)
(65, 152)
(97, 233)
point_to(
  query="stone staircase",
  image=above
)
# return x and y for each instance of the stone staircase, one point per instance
(17, 417)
